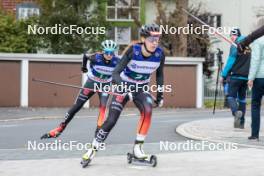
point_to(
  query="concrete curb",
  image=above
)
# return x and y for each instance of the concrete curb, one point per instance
(183, 130)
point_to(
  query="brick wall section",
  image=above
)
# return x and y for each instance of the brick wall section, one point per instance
(10, 5)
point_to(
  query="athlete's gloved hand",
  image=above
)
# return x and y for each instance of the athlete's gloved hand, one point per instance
(116, 79)
(241, 47)
(130, 96)
(84, 69)
(159, 99)
(159, 102)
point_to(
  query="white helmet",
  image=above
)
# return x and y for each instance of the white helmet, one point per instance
(109, 46)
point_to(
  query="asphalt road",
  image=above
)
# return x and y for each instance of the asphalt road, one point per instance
(16, 135)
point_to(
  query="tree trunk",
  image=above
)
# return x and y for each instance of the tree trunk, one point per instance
(179, 45)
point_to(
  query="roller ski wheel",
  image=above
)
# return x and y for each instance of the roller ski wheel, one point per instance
(149, 161)
(129, 158)
(153, 160)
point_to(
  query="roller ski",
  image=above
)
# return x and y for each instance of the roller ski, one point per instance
(55, 132)
(139, 157)
(88, 156)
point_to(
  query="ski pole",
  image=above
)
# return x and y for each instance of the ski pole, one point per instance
(75, 75)
(73, 86)
(220, 63)
(216, 90)
(216, 32)
(79, 87)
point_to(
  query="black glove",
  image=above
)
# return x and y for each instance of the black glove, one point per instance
(84, 69)
(241, 47)
(159, 101)
(116, 79)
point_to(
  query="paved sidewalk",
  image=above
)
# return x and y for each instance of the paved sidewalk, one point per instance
(242, 162)
(220, 130)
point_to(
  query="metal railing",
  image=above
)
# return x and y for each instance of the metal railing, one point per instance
(210, 93)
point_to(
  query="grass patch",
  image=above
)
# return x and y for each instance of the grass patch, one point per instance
(209, 103)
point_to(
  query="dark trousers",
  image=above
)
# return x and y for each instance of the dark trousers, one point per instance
(237, 96)
(257, 93)
(82, 98)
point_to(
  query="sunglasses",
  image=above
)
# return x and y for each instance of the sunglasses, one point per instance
(153, 39)
(109, 53)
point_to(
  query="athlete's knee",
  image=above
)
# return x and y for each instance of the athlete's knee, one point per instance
(148, 106)
(231, 99)
(116, 105)
(103, 99)
(82, 98)
(85, 94)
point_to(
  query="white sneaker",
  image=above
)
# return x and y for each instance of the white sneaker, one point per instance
(138, 151)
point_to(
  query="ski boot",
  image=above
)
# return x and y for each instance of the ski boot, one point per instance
(138, 156)
(238, 116)
(88, 156)
(55, 132)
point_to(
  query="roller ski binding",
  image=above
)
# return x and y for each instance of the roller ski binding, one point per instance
(139, 157)
(55, 132)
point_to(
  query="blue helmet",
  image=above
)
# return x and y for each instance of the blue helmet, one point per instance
(109, 46)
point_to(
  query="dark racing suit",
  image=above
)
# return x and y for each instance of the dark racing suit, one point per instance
(135, 69)
(100, 74)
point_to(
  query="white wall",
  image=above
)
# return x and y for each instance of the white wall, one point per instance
(235, 13)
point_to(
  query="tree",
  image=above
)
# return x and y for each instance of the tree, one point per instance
(176, 44)
(82, 13)
(13, 35)
(191, 45)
